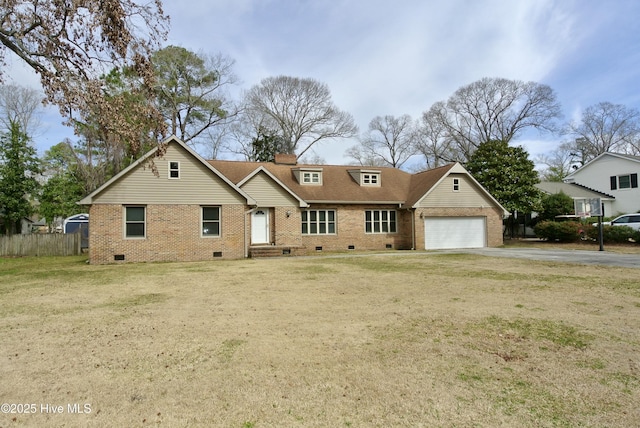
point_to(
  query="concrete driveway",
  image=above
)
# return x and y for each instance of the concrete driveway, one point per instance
(604, 258)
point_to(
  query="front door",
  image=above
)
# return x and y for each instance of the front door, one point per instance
(260, 226)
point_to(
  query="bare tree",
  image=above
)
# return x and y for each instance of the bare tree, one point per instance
(557, 164)
(606, 127)
(243, 134)
(70, 44)
(494, 110)
(311, 158)
(432, 139)
(389, 139)
(22, 106)
(364, 158)
(300, 110)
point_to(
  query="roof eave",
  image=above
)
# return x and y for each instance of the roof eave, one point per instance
(88, 200)
(334, 201)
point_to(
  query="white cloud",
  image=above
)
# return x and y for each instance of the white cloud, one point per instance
(380, 57)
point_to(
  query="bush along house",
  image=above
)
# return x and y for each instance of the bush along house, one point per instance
(192, 209)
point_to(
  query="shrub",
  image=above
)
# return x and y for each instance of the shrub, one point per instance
(567, 231)
(615, 234)
(555, 204)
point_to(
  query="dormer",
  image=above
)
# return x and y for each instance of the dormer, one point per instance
(308, 176)
(366, 177)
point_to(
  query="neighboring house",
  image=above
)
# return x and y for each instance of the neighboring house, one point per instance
(579, 194)
(193, 209)
(27, 225)
(615, 175)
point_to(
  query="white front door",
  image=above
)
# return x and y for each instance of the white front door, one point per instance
(260, 226)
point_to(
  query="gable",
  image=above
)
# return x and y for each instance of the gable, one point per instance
(605, 174)
(197, 184)
(604, 166)
(266, 192)
(467, 195)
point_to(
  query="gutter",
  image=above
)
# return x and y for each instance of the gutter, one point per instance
(399, 203)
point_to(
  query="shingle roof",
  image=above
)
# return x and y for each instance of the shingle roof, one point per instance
(422, 182)
(571, 189)
(396, 186)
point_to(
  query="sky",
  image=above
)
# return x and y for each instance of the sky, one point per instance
(393, 58)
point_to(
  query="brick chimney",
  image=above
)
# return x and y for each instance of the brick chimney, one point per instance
(286, 159)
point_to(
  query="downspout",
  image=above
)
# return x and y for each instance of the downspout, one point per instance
(413, 225)
(246, 243)
(413, 228)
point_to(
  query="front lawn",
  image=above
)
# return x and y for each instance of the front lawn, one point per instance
(415, 339)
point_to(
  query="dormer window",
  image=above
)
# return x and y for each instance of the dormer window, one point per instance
(174, 169)
(370, 179)
(309, 176)
(366, 177)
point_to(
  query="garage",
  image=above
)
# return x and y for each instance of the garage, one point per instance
(454, 232)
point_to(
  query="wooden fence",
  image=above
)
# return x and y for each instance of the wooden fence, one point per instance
(38, 244)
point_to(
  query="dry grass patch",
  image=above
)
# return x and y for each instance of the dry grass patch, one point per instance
(629, 248)
(421, 339)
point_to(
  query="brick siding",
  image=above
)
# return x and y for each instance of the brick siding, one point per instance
(493, 218)
(285, 228)
(173, 233)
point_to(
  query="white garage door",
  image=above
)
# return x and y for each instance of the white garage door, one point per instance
(454, 232)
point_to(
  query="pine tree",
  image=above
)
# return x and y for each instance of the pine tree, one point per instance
(19, 166)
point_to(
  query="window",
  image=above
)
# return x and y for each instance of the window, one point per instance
(134, 222)
(456, 184)
(308, 175)
(624, 182)
(380, 221)
(370, 179)
(210, 221)
(366, 177)
(627, 181)
(318, 222)
(311, 177)
(174, 169)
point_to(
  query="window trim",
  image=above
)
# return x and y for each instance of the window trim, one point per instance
(307, 221)
(127, 222)
(370, 179)
(377, 218)
(203, 221)
(171, 170)
(456, 184)
(311, 175)
(632, 180)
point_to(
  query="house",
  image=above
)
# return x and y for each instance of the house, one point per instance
(28, 225)
(613, 174)
(579, 194)
(193, 209)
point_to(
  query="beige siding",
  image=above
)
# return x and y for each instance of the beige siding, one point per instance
(196, 185)
(268, 193)
(469, 195)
